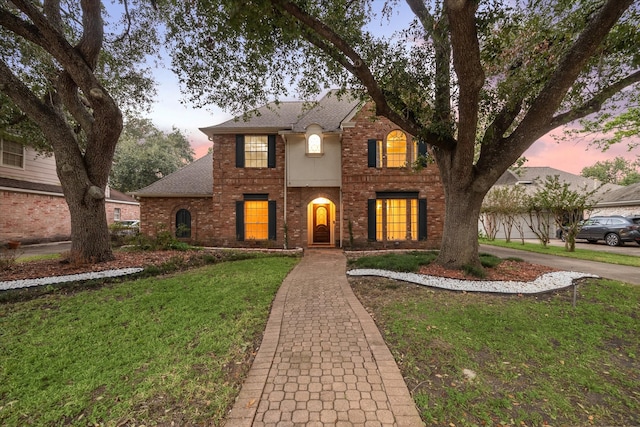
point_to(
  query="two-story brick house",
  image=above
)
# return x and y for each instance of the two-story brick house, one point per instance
(32, 205)
(330, 174)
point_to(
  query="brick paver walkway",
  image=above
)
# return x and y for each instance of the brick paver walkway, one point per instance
(322, 360)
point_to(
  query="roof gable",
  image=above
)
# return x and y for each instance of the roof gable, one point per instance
(329, 113)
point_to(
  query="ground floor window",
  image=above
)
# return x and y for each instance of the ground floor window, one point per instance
(256, 218)
(183, 223)
(397, 216)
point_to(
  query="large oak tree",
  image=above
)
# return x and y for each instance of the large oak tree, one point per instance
(479, 80)
(63, 92)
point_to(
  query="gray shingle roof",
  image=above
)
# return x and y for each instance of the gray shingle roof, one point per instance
(114, 195)
(193, 180)
(628, 195)
(329, 112)
(537, 176)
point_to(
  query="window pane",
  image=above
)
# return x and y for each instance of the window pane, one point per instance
(379, 220)
(183, 223)
(256, 149)
(315, 144)
(396, 219)
(396, 149)
(413, 219)
(379, 154)
(12, 154)
(256, 220)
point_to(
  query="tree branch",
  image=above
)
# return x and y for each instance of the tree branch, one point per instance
(594, 104)
(51, 123)
(537, 120)
(466, 62)
(327, 40)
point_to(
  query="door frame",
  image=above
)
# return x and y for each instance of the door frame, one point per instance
(332, 221)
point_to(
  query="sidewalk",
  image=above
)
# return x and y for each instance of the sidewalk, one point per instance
(322, 360)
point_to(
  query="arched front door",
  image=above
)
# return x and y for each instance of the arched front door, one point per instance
(321, 222)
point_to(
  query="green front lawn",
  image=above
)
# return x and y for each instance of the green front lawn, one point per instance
(150, 351)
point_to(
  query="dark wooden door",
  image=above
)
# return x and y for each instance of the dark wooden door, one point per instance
(321, 221)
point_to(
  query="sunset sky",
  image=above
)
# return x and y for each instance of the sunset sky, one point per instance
(569, 156)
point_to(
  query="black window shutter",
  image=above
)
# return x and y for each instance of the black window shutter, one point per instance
(272, 220)
(422, 148)
(271, 153)
(372, 157)
(240, 221)
(371, 218)
(422, 219)
(239, 151)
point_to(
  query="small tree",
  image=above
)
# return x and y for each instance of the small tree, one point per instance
(556, 201)
(502, 206)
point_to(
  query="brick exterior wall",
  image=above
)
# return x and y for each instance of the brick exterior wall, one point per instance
(230, 184)
(360, 183)
(34, 218)
(214, 219)
(159, 214)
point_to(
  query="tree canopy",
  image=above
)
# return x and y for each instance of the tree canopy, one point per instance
(146, 154)
(467, 77)
(67, 69)
(619, 171)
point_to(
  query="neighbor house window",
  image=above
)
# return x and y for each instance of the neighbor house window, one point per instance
(397, 216)
(255, 151)
(256, 218)
(395, 151)
(116, 214)
(12, 154)
(183, 223)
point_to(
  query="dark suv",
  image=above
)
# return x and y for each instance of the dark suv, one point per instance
(614, 230)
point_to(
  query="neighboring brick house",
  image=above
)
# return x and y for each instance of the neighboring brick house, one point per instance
(32, 206)
(329, 175)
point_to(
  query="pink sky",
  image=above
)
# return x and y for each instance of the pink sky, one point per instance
(572, 156)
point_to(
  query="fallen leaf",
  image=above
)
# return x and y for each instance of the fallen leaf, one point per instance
(251, 402)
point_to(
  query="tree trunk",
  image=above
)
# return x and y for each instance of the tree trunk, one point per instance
(460, 235)
(89, 231)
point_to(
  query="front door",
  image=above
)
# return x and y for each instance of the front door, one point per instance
(321, 221)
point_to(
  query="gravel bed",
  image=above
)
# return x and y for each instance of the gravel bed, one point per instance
(544, 283)
(26, 283)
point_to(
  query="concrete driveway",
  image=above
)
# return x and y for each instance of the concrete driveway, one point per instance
(610, 271)
(44, 249)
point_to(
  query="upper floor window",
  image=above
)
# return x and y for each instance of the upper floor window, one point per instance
(12, 154)
(255, 151)
(396, 151)
(314, 144)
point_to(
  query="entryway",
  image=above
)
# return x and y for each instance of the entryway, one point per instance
(320, 225)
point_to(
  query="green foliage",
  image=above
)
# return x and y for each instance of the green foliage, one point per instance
(619, 171)
(501, 206)
(409, 262)
(109, 355)
(566, 206)
(145, 154)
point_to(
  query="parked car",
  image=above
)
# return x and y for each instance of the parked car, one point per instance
(614, 230)
(129, 227)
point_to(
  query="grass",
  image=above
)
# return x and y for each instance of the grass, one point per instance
(537, 359)
(158, 350)
(586, 254)
(410, 261)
